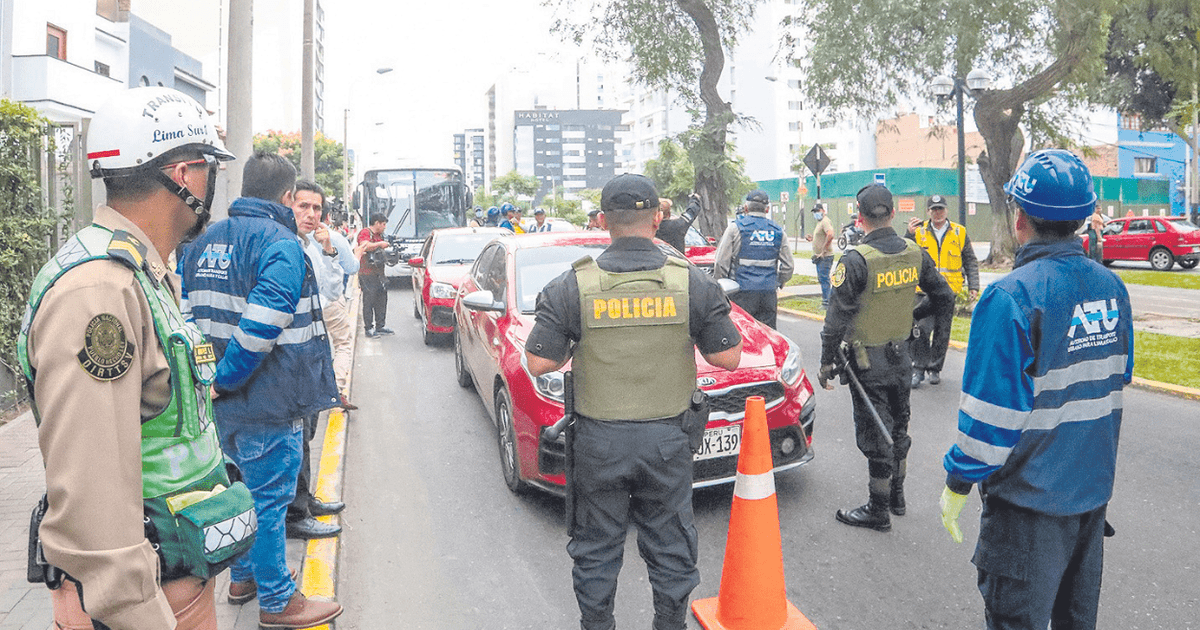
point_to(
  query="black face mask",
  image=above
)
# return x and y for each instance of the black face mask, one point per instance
(203, 209)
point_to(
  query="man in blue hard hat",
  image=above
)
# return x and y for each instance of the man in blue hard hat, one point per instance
(755, 252)
(1051, 349)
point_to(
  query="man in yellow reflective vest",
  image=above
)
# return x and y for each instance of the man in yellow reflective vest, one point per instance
(948, 245)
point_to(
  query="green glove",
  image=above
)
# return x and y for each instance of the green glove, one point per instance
(952, 505)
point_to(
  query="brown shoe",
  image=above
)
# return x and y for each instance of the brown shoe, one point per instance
(242, 592)
(301, 612)
(347, 405)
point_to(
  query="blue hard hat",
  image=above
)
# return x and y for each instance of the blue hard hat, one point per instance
(506, 208)
(493, 212)
(1053, 184)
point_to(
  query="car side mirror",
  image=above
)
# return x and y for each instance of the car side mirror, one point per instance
(482, 301)
(416, 261)
(712, 240)
(729, 285)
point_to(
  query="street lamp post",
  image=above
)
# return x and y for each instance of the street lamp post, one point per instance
(346, 143)
(944, 87)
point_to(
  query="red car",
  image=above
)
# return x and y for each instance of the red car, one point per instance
(495, 313)
(700, 251)
(1163, 241)
(438, 269)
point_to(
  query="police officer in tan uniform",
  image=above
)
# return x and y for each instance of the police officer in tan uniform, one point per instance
(871, 312)
(101, 379)
(632, 460)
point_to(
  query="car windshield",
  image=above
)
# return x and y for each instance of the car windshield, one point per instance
(694, 238)
(538, 265)
(459, 249)
(1182, 225)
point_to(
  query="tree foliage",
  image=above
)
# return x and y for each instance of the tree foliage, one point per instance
(673, 45)
(511, 187)
(871, 57)
(27, 224)
(329, 156)
(1152, 62)
(674, 174)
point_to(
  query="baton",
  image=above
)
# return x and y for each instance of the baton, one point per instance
(552, 432)
(887, 436)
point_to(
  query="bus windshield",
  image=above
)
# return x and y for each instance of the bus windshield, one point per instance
(416, 201)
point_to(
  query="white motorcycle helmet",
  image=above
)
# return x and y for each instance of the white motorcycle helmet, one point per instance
(134, 130)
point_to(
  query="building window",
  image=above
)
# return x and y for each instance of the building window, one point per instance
(827, 124)
(795, 105)
(1144, 165)
(794, 84)
(56, 42)
(793, 126)
(102, 69)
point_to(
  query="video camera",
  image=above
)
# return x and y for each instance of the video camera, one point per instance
(389, 255)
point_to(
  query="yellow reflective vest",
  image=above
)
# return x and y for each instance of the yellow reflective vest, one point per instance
(947, 255)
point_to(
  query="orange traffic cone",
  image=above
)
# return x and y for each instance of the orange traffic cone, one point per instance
(752, 594)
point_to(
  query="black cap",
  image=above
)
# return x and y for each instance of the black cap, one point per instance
(592, 213)
(758, 195)
(936, 201)
(818, 207)
(871, 198)
(539, 211)
(629, 192)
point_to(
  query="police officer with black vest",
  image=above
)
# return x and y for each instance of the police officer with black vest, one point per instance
(634, 377)
(869, 320)
(754, 251)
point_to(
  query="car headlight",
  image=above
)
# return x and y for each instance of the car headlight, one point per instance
(550, 385)
(441, 290)
(790, 371)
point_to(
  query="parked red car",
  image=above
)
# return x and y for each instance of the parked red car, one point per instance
(438, 269)
(495, 313)
(1163, 241)
(700, 251)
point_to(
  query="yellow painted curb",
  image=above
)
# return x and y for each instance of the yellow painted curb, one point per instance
(1139, 382)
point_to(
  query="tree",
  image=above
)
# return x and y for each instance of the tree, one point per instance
(672, 171)
(1152, 62)
(27, 224)
(512, 186)
(870, 57)
(674, 45)
(329, 156)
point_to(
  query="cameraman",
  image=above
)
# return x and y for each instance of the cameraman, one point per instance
(370, 276)
(673, 231)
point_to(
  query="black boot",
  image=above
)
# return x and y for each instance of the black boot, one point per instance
(875, 513)
(897, 501)
(899, 470)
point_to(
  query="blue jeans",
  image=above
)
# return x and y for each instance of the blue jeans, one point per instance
(269, 456)
(823, 265)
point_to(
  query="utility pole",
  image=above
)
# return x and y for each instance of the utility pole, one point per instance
(240, 134)
(346, 159)
(308, 165)
(1193, 197)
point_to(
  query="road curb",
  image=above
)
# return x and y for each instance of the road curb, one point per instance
(1139, 382)
(319, 570)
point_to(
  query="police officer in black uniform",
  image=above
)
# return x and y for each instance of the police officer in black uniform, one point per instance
(871, 312)
(632, 319)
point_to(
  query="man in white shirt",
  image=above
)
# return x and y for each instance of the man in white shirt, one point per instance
(541, 225)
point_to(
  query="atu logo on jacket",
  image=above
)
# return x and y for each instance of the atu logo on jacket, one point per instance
(214, 261)
(1092, 316)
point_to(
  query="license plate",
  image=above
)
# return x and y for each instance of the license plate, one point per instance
(720, 442)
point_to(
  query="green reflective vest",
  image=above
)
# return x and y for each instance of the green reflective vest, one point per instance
(198, 521)
(635, 359)
(887, 301)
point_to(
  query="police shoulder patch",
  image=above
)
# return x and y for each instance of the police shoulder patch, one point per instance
(839, 274)
(107, 354)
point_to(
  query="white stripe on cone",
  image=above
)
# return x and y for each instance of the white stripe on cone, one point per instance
(754, 487)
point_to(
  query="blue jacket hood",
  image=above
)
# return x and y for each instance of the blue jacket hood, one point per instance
(263, 209)
(1034, 250)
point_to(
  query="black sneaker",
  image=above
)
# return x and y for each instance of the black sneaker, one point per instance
(370, 333)
(935, 378)
(383, 330)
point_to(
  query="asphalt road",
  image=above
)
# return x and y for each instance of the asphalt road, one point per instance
(433, 539)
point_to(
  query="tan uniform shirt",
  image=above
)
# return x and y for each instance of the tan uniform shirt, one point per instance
(822, 242)
(90, 436)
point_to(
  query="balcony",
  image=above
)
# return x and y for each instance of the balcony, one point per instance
(62, 91)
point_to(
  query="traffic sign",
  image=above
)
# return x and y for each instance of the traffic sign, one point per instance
(881, 179)
(783, 196)
(817, 160)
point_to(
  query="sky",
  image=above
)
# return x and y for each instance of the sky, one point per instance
(444, 55)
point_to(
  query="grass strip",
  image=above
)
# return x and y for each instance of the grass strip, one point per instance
(1157, 357)
(1178, 279)
(798, 280)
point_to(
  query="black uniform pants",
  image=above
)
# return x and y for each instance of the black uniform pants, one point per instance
(761, 305)
(930, 340)
(887, 384)
(639, 472)
(374, 300)
(1037, 569)
(299, 507)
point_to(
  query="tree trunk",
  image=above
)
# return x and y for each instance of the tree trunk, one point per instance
(1004, 142)
(708, 154)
